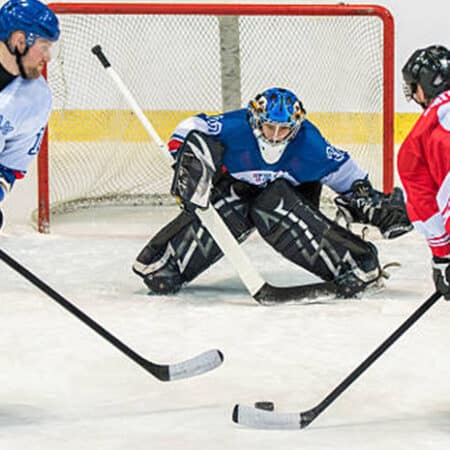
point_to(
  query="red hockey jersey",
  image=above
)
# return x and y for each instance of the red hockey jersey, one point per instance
(424, 165)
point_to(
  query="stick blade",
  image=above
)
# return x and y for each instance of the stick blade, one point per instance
(198, 365)
(266, 420)
(270, 295)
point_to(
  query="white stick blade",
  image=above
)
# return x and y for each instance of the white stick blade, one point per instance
(196, 366)
(267, 420)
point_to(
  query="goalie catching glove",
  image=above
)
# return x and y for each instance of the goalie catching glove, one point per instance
(366, 205)
(197, 162)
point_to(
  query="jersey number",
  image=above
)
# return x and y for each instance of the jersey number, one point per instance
(37, 142)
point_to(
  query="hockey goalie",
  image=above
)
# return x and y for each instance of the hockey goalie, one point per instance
(262, 168)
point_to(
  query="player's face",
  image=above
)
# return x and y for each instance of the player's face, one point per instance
(275, 132)
(36, 58)
(419, 95)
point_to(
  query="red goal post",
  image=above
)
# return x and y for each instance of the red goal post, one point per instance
(182, 59)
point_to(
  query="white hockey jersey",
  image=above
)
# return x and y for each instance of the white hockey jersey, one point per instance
(24, 112)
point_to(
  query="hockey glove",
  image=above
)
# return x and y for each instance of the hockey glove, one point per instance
(366, 205)
(441, 275)
(197, 161)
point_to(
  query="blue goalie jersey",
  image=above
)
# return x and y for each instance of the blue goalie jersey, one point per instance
(308, 157)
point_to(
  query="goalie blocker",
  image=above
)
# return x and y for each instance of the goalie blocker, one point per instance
(287, 217)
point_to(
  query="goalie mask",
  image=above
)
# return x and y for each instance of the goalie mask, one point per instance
(429, 67)
(275, 116)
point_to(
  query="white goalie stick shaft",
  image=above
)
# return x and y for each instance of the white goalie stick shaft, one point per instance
(164, 372)
(209, 217)
(259, 289)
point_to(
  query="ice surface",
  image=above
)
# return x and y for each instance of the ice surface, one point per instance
(64, 387)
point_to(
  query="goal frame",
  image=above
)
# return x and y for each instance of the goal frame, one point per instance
(235, 10)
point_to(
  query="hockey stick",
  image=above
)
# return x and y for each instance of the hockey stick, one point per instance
(259, 289)
(257, 418)
(165, 372)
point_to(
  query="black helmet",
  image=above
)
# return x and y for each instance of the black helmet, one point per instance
(429, 67)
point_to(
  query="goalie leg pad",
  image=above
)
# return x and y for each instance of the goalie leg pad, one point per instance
(301, 233)
(156, 263)
(177, 254)
(184, 248)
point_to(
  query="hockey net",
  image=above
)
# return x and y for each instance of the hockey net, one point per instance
(179, 60)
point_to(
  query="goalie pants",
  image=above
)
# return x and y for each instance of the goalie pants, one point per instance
(287, 217)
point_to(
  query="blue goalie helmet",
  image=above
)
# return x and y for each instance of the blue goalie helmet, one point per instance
(32, 17)
(276, 106)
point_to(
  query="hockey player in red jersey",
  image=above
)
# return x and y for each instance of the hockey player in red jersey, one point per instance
(424, 157)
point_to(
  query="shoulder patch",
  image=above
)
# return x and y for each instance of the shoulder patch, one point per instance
(334, 153)
(214, 124)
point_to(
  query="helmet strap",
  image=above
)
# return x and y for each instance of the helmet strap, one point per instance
(19, 57)
(423, 105)
(14, 51)
(10, 50)
(19, 63)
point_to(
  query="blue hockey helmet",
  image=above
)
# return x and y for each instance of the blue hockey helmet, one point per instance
(276, 105)
(32, 17)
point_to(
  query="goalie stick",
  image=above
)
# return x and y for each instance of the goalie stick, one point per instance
(261, 291)
(164, 372)
(258, 418)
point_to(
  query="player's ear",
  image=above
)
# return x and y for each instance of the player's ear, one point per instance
(17, 40)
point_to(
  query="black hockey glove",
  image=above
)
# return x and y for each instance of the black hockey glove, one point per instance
(197, 161)
(366, 205)
(441, 275)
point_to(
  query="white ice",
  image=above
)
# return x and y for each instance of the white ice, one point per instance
(63, 387)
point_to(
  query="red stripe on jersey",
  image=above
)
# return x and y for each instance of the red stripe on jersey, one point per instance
(174, 145)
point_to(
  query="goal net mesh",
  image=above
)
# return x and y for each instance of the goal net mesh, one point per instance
(178, 65)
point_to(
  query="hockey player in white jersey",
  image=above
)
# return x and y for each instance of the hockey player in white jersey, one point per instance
(28, 29)
(263, 167)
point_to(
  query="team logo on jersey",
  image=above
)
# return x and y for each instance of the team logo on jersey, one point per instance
(334, 153)
(263, 177)
(5, 125)
(214, 124)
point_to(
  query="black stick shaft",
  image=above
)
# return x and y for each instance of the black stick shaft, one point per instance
(308, 416)
(144, 363)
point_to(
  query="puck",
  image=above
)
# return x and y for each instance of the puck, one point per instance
(266, 406)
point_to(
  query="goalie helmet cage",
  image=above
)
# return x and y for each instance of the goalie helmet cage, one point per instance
(183, 59)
